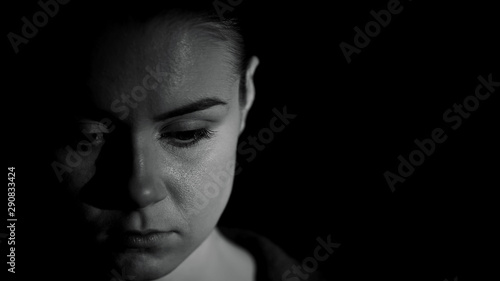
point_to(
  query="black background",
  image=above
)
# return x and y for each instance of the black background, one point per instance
(322, 175)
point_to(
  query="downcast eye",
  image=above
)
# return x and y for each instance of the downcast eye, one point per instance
(186, 138)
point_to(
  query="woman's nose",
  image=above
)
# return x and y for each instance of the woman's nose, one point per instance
(145, 186)
(127, 176)
(145, 190)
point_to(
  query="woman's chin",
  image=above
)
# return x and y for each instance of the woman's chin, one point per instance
(142, 265)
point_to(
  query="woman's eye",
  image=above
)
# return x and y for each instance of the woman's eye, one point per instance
(186, 138)
(94, 133)
(96, 138)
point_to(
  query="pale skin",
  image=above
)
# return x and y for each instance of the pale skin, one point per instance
(165, 172)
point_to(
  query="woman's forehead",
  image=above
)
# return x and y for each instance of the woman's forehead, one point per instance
(163, 63)
(128, 48)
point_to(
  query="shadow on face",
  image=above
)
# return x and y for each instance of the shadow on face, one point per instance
(151, 165)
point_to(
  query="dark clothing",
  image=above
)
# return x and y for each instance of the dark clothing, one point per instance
(271, 262)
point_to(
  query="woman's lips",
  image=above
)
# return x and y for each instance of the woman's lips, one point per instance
(142, 239)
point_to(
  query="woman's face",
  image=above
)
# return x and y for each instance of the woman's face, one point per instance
(153, 187)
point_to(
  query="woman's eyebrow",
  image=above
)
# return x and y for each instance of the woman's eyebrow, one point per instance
(189, 108)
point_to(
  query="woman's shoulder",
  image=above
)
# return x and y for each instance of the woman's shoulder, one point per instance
(272, 262)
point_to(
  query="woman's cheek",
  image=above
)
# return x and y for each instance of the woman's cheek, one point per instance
(209, 182)
(77, 178)
(80, 167)
(203, 195)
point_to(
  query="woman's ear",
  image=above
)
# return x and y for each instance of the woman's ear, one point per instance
(249, 91)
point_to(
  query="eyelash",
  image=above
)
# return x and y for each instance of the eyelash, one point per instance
(94, 131)
(194, 136)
